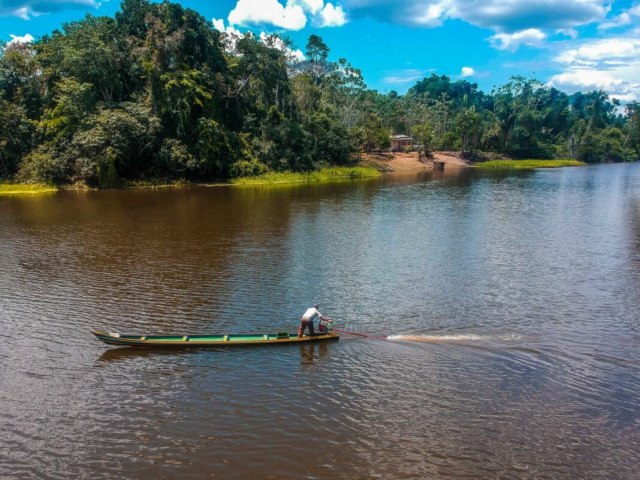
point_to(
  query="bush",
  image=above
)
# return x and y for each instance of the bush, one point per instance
(245, 168)
(44, 166)
(173, 159)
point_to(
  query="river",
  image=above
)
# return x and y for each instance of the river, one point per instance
(510, 299)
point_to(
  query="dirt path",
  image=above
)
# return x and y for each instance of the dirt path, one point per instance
(409, 162)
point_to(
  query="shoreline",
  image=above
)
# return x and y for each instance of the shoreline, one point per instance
(401, 162)
(368, 165)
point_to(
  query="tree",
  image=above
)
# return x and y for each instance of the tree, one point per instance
(17, 137)
(317, 53)
(91, 51)
(120, 140)
(423, 134)
(374, 134)
(469, 128)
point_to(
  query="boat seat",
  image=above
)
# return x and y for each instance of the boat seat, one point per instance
(283, 335)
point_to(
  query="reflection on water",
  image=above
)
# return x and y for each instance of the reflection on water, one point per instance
(510, 299)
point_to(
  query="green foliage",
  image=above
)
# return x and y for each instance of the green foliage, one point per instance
(44, 165)
(373, 134)
(17, 137)
(157, 92)
(214, 151)
(244, 168)
(425, 136)
(106, 168)
(173, 160)
(122, 138)
(73, 101)
(469, 127)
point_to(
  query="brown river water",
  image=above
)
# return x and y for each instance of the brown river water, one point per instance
(510, 302)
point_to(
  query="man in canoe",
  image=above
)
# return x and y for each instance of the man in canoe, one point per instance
(307, 320)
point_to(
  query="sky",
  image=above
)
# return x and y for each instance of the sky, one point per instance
(569, 44)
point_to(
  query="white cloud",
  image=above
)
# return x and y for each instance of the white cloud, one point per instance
(625, 18)
(611, 65)
(568, 32)
(467, 72)
(268, 12)
(518, 15)
(27, 38)
(292, 15)
(512, 41)
(434, 14)
(403, 76)
(218, 24)
(585, 80)
(311, 6)
(499, 15)
(331, 16)
(608, 51)
(27, 9)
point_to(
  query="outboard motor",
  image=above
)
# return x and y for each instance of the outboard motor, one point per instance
(325, 327)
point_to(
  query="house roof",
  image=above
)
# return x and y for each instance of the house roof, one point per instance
(401, 137)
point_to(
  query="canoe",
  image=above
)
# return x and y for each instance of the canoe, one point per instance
(231, 340)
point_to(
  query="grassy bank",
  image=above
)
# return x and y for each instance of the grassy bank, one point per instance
(25, 188)
(528, 164)
(322, 175)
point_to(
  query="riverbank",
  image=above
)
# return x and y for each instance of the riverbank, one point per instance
(368, 166)
(328, 174)
(322, 175)
(410, 161)
(528, 164)
(25, 188)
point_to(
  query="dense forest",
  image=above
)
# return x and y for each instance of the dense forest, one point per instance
(158, 93)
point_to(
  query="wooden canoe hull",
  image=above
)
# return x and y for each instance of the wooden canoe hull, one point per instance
(184, 341)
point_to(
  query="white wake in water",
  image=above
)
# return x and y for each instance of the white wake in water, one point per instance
(462, 337)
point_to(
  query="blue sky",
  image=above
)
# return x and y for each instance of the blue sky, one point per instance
(570, 44)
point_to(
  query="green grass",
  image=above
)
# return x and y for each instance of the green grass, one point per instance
(154, 183)
(322, 175)
(25, 188)
(528, 164)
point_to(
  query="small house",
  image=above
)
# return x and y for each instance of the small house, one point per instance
(400, 143)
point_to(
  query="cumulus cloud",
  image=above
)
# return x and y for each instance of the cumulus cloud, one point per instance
(585, 80)
(610, 64)
(268, 12)
(467, 72)
(26, 9)
(331, 16)
(27, 38)
(292, 15)
(512, 41)
(591, 79)
(610, 51)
